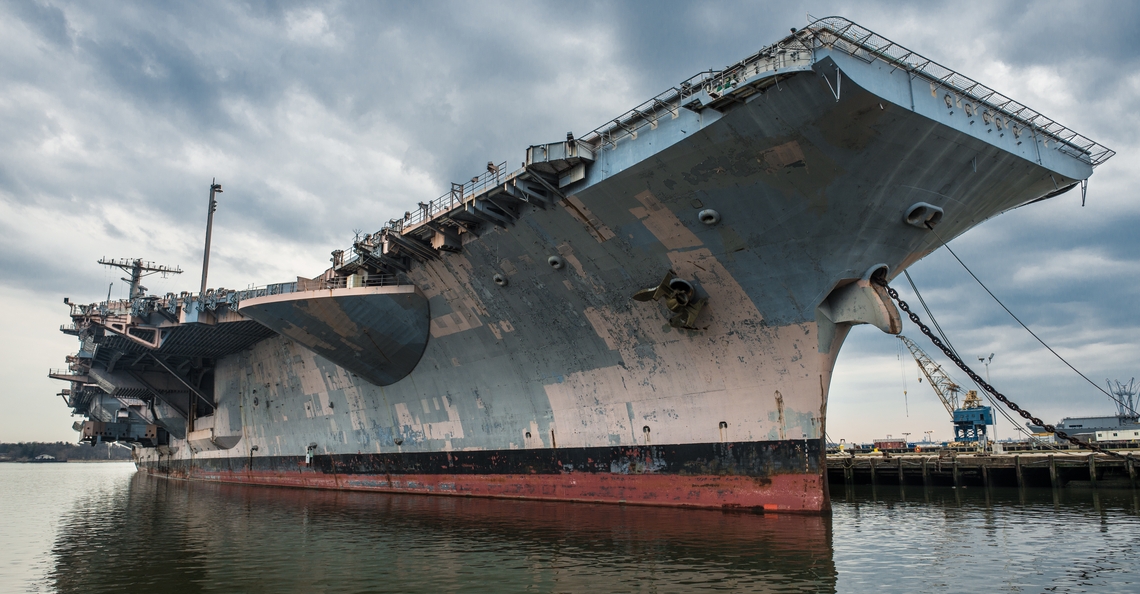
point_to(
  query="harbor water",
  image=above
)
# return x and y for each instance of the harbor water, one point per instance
(103, 528)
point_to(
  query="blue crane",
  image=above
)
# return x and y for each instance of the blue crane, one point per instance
(971, 418)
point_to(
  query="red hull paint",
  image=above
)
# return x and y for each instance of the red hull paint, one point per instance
(785, 492)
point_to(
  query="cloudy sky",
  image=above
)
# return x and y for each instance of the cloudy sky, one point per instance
(322, 118)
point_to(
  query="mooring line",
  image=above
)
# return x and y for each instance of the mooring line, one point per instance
(946, 350)
(1018, 320)
(942, 334)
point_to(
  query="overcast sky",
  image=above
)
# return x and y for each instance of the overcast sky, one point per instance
(322, 118)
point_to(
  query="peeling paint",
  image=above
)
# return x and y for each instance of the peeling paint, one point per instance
(662, 223)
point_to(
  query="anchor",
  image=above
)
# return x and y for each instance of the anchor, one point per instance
(680, 297)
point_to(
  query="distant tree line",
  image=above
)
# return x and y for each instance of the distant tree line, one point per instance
(18, 452)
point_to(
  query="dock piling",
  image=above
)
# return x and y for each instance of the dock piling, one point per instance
(990, 471)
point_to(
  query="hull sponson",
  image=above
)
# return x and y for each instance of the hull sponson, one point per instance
(379, 332)
(811, 189)
(775, 476)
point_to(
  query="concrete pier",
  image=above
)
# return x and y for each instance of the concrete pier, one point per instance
(1056, 470)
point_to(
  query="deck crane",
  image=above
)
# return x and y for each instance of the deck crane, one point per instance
(970, 418)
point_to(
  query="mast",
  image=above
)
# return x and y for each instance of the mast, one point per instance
(215, 188)
(138, 268)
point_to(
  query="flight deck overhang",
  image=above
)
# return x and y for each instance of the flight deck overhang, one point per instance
(378, 333)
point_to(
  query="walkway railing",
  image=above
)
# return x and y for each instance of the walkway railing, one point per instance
(841, 34)
(215, 298)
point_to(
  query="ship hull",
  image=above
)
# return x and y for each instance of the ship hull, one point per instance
(760, 476)
(541, 370)
(563, 359)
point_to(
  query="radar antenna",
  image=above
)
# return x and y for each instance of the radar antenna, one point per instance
(139, 268)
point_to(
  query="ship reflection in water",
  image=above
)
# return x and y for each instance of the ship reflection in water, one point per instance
(177, 536)
(151, 534)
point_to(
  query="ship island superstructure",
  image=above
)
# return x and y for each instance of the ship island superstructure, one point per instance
(649, 313)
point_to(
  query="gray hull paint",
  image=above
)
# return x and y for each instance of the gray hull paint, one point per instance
(379, 333)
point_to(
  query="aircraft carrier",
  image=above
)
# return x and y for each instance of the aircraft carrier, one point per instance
(645, 314)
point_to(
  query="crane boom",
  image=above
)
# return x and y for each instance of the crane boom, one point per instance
(946, 389)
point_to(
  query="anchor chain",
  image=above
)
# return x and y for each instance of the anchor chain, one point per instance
(983, 383)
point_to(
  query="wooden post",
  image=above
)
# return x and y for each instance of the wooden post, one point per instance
(1017, 467)
(957, 475)
(985, 474)
(1092, 469)
(901, 481)
(872, 461)
(925, 473)
(1130, 463)
(849, 471)
(1053, 471)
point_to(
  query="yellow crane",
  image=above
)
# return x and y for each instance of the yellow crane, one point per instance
(971, 418)
(945, 387)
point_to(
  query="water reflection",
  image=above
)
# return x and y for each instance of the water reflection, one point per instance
(194, 537)
(149, 534)
(916, 539)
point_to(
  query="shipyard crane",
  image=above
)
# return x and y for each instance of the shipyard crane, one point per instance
(970, 418)
(1126, 398)
(946, 389)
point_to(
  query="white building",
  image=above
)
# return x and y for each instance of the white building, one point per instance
(1118, 435)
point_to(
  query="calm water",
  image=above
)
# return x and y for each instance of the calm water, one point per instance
(102, 528)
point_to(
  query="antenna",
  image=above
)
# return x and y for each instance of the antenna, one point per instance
(215, 188)
(137, 268)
